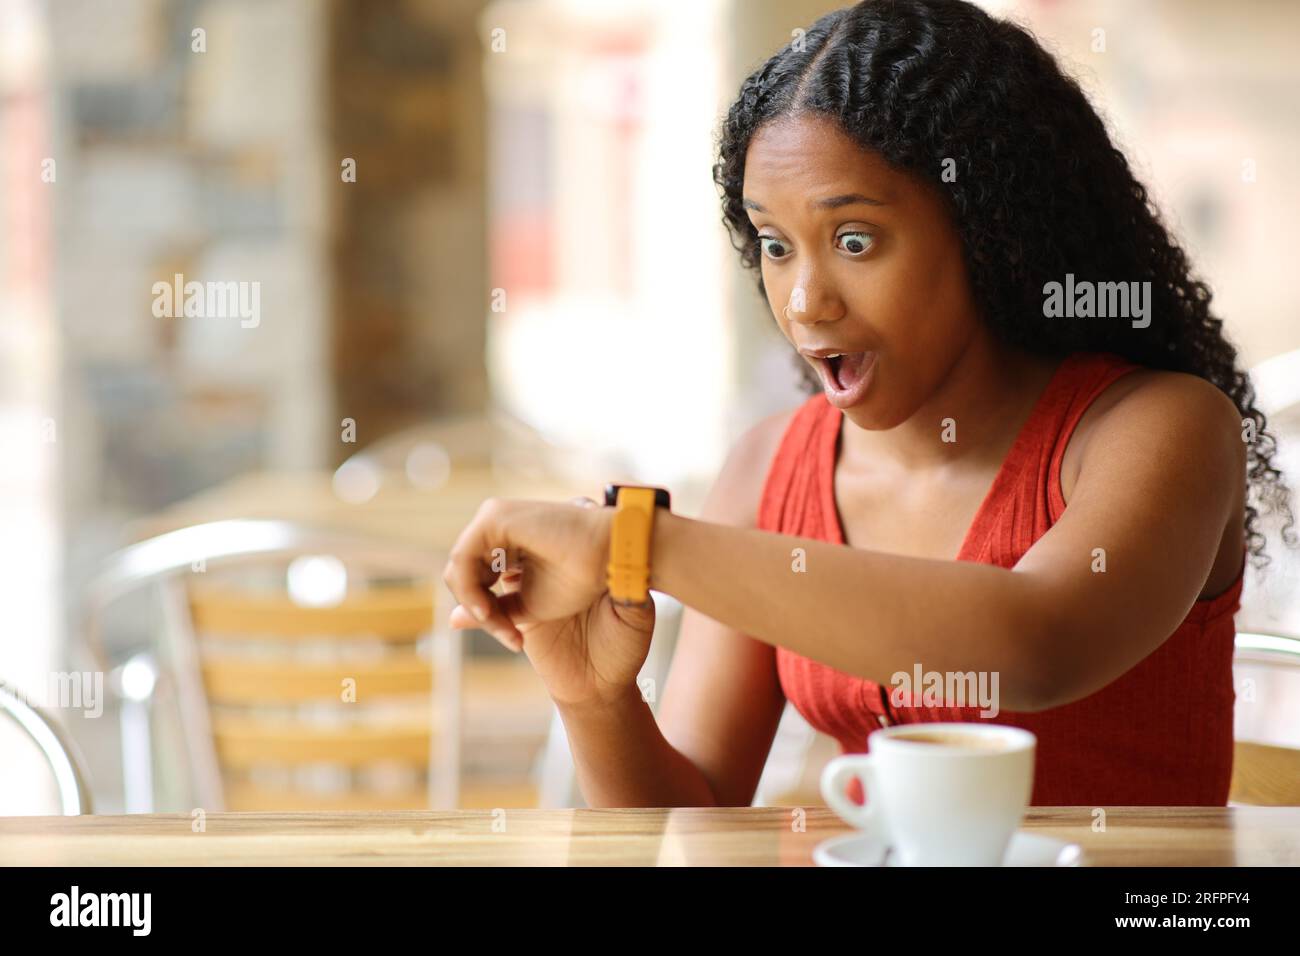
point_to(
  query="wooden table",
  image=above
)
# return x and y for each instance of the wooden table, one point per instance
(731, 836)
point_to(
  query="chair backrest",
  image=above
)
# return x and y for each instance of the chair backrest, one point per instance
(309, 701)
(1271, 599)
(1277, 382)
(285, 704)
(57, 748)
(1266, 756)
(1266, 759)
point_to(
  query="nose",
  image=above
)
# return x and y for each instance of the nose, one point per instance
(814, 299)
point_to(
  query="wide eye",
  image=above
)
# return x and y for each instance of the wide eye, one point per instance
(856, 242)
(773, 247)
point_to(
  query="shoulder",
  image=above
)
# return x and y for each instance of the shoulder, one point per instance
(1176, 415)
(735, 495)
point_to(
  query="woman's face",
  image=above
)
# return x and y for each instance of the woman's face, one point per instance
(860, 259)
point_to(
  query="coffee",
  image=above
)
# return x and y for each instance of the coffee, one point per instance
(947, 739)
(955, 799)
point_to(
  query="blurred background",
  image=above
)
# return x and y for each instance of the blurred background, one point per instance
(340, 270)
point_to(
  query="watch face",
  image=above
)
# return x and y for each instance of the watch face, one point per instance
(662, 498)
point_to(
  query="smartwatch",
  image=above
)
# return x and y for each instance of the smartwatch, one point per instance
(628, 572)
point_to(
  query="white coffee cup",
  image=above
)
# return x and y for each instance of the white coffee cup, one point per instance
(943, 794)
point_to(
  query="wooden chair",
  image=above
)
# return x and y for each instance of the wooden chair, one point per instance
(1266, 757)
(282, 705)
(362, 699)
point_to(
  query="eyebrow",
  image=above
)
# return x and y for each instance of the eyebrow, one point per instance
(831, 202)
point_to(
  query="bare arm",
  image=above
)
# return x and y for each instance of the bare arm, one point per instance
(721, 703)
(1155, 491)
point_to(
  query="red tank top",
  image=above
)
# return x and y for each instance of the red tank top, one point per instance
(1160, 734)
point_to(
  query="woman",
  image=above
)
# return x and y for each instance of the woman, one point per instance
(1028, 429)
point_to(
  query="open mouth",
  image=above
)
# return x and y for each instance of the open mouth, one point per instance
(834, 363)
(846, 369)
(845, 376)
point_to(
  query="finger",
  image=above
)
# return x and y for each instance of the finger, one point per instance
(497, 621)
(469, 573)
(512, 581)
(512, 605)
(461, 619)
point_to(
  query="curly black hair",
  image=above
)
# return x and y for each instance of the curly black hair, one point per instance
(1039, 189)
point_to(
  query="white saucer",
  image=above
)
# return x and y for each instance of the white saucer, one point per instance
(1025, 849)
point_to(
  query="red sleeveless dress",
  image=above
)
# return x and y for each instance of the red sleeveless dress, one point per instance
(1160, 734)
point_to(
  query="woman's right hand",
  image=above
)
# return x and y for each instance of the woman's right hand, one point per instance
(592, 657)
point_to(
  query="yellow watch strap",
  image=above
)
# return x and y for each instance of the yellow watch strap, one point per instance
(629, 546)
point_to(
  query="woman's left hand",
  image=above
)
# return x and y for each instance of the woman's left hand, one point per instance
(563, 545)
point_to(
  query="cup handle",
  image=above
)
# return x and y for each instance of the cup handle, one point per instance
(836, 775)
